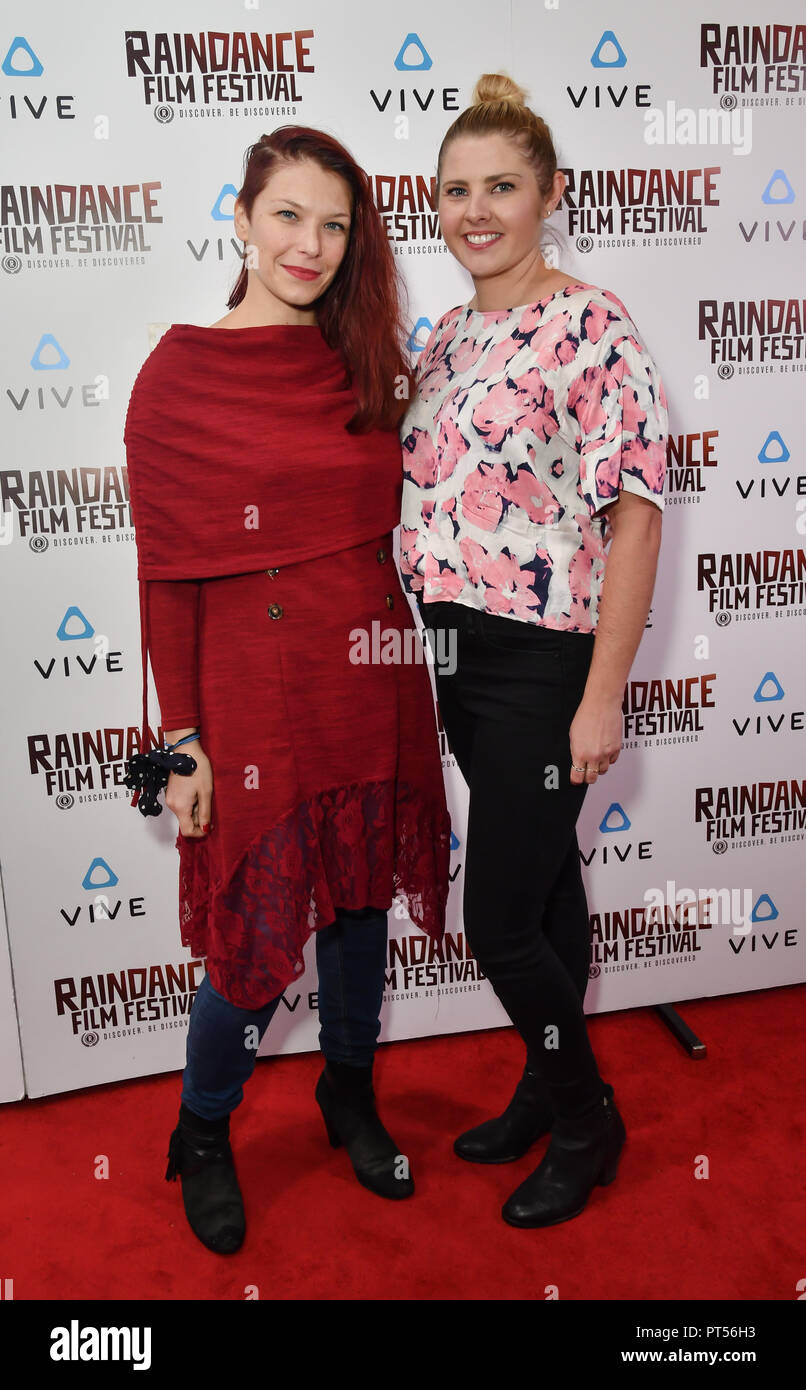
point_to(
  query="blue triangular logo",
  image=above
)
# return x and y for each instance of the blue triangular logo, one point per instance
(609, 38)
(73, 612)
(788, 196)
(764, 453)
(400, 61)
(777, 689)
(48, 340)
(89, 882)
(616, 813)
(420, 326)
(228, 191)
(756, 916)
(22, 45)
(455, 842)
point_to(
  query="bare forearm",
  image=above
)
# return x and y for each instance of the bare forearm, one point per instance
(624, 603)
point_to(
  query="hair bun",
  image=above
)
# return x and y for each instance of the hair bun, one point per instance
(495, 87)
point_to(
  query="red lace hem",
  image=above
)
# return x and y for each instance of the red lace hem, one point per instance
(350, 847)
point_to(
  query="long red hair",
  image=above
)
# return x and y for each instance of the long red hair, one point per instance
(361, 311)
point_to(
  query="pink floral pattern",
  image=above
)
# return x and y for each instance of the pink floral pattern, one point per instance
(525, 425)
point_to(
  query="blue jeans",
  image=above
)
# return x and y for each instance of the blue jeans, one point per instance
(223, 1039)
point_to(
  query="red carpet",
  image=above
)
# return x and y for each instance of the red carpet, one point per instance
(658, 1232)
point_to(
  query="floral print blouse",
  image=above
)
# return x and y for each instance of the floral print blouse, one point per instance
(525, 424)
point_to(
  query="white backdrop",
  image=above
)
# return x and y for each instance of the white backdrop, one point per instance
(682, 144)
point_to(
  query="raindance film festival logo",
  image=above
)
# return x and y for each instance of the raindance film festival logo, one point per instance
(250, 74)
(753, 585)
(753, 336)
(84, 765)
(119, 1004)
(755, 64)
(407, 204)
(656, 933)
(687, 457)
(77, 225)
(639, 207)
(745, 815)
(420, 968)
(64, 507)
(667, 710)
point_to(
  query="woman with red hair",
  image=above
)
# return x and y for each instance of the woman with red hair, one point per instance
(265, 483)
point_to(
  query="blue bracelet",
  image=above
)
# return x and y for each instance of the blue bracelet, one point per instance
(169, 747)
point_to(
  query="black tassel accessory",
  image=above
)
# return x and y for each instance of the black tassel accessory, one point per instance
(148, 773)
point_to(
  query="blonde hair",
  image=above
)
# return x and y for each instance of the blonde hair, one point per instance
(499, 108)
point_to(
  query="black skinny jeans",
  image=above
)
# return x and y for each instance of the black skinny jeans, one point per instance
(506, 712)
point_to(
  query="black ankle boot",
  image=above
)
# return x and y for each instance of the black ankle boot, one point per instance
(347, 1101)
(509, 1136)
(200, 1152)
(582, 1152)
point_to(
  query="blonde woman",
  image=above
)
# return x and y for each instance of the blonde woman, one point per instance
(537, 438)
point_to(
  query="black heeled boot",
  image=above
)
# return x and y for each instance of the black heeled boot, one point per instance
(200, 1152)
(346, 1098)
(583, 1151)
(529, 1114)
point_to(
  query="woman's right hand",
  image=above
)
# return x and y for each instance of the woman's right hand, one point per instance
(191, 798)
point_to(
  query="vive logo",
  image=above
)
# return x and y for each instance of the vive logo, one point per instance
(100, 910)
(413, 56)
(617, 815)
(34, 69)
(228, 191)
(778, 192)
(401, 62)
(773, 450)
(100, 658)
(615, 819)
(76, 613)
(777, 689)
(788, 196)
(608, 41)
(758, 916)
(48, 341)
(768, 690)
(764, 455)
(607, 56)
(100, 866)
(422, 326)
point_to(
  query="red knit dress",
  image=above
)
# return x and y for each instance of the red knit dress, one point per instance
(327, 781)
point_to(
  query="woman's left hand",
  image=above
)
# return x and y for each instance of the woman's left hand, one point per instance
(595, 736)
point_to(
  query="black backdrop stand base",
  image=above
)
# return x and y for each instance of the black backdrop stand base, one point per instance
(681, 1030)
